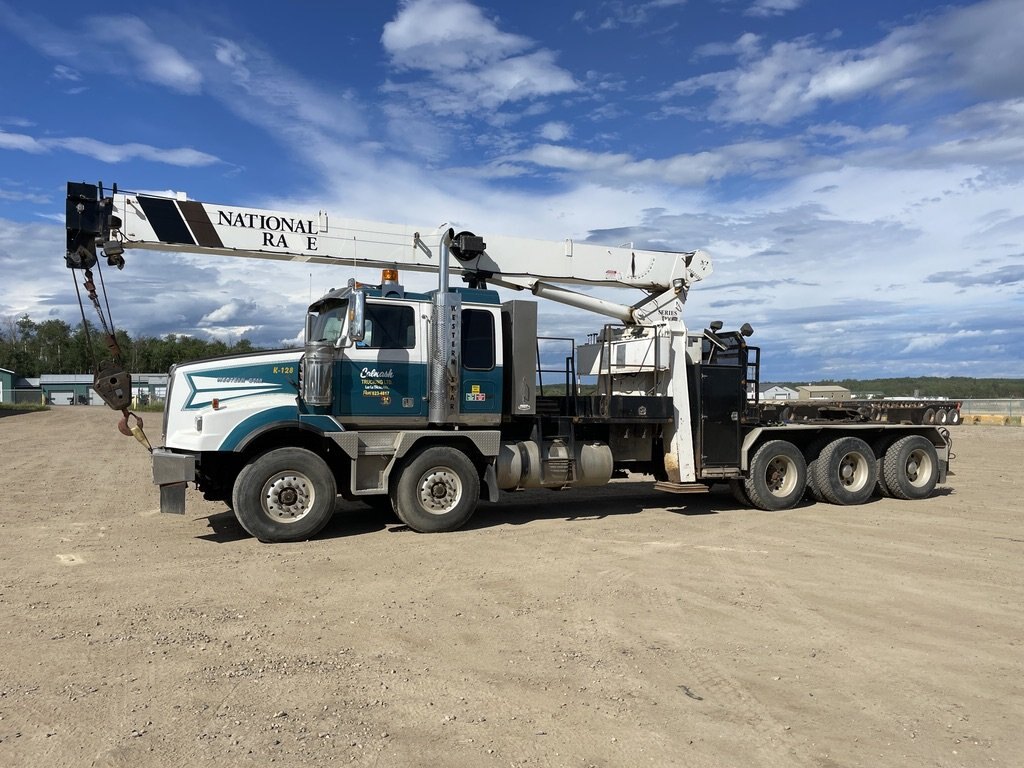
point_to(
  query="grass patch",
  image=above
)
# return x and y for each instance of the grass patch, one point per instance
(13, 409)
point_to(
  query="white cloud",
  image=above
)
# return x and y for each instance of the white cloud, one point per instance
(108, 153)
(746, 43)
(15, 192)
(157, 61)
(232, 310)
(119, 153)
(140, 53)
(617, 13)
(21, 142)
(772, 7)
(971, 48)
(473, 67)
(263, 90)
(555, 131)
(684, 169)
(61, 72)
(852, 134)
(443, 35)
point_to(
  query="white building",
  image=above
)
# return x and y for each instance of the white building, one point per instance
(779, 393)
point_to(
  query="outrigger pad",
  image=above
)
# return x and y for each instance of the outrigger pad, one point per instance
(114, 385)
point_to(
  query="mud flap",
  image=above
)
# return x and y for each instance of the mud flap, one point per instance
(491, 483)
(173, 472)
(172, 498)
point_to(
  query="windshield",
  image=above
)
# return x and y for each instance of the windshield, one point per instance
(329, 325)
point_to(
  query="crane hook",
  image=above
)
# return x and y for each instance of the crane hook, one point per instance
(133, 430)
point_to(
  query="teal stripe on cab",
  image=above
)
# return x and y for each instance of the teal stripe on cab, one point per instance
(283, 414)
(321, 422)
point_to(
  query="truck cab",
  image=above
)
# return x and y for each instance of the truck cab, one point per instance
(368, 351)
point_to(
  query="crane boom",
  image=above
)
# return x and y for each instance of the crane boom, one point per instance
(143, 221)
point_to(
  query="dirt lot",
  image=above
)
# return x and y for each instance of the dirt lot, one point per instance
(614, 627)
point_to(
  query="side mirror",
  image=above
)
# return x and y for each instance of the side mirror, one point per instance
(309, 327)
(357, 315)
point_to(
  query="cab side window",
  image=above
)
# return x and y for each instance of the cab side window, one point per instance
(477, 339)
(389, 327)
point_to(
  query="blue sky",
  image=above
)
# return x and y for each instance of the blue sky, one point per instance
(856, 170)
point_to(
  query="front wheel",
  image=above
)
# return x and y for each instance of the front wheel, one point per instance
(286, 494)
(777, 477)
(437, 490)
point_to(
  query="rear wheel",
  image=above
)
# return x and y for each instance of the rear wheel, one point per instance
(811, 456)
(437, 490)
(778, 476)
(911, 467)
(879, 447)
(739, 492)
(845, 473)
(286, 494)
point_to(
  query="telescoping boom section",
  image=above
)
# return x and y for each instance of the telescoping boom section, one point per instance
(121, 221)
(426, 402)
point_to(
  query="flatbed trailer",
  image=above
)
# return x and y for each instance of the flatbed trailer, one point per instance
(882, 410)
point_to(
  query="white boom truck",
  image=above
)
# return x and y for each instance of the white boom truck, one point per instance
(428, 401)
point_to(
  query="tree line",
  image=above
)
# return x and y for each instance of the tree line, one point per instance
(53, 346)
(953, 387)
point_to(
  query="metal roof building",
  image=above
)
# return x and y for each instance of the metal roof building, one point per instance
(823, 392)
(76, 388)
(17, 389)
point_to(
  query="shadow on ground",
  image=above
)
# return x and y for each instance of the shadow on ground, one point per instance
(354, 518)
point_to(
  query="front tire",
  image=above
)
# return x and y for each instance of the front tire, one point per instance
(437, 490)
(845, 472)
(287, 494)
(911, 468)
(777, 477)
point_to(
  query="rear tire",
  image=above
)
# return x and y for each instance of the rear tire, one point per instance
(437, 490)
(778, 476)
(879, 447)
(911, 467)
(739, 492)
(287, 494)
(811, 456)
(845, 472)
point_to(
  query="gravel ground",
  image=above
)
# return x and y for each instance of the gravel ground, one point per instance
(603, 627)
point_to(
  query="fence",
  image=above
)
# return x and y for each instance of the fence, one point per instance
(993, 411)
(25, 396)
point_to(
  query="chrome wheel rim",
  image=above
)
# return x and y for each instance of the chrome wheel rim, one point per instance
(288, 496)
(439, 490)
(780, 476)
(919, 468)
(853, 471)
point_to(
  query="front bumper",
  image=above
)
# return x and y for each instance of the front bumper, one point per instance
(172, 472)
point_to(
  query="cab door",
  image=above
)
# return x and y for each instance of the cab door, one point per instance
(383, 378)
(481, 373)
